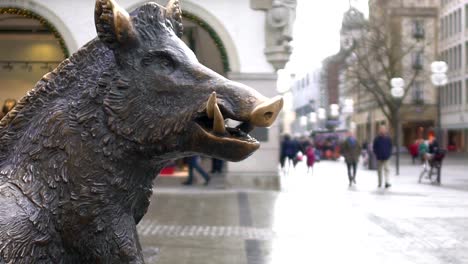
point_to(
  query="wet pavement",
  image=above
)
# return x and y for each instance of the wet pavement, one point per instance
(314, 219)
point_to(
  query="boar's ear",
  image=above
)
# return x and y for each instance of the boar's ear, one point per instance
(113, 24)
(174, 15)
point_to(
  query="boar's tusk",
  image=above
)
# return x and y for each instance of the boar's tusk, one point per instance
(210, 105)
(218, 122)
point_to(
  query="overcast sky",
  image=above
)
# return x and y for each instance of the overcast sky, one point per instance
(317, 31)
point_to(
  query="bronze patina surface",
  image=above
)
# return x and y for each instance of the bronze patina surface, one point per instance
(79, 152)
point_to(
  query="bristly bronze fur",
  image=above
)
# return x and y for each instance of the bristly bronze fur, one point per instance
(79, 152)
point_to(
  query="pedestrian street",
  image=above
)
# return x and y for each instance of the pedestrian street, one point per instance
(314, 219)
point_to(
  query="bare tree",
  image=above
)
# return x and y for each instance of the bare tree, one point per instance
(382, 50)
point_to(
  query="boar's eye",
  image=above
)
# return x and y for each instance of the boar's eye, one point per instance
(159, 61)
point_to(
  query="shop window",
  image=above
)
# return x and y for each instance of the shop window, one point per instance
(418, 93)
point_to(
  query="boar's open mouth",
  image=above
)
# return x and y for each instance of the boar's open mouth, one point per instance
(212, 121)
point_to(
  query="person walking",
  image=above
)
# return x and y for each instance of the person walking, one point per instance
(310, 154)
(422, 151)
(382, 148)
(193, 163)
(414, 150)
(289, 150)
(351, 150)
(216, 165)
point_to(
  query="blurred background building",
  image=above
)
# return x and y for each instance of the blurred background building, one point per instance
(306, 100)
(411, 28)
(245, 40)
(421, 32)
(453, 49)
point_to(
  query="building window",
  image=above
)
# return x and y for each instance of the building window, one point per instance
(447, 26)
(466, 53)
(441, 28)
(449, 59)
(418, 29)
(450, 25)
(466, 17)
(459, 20)
(460, 91)
(454, 57)
(459, 57)
(417, 58)
(466, 91)
(445, 56)
(418, 93)
(449, 95)
(442, 95)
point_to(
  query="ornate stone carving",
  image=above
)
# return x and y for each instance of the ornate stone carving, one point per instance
(279, 26)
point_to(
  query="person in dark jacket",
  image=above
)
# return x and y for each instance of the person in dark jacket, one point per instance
(382, 148)
(351, 150)
(289, 149)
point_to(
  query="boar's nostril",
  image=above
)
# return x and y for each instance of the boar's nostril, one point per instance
(265, 113)
(268, 115)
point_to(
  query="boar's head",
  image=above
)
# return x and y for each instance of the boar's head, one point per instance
(165, 98)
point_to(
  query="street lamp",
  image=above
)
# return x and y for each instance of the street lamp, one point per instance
(303, 121)
(313, 119)
(322, 114)
(348, 107)
(397, 92)
(334, 110)
(438, 79)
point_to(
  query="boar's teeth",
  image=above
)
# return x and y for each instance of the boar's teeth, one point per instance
(218, 122)
(210, 105)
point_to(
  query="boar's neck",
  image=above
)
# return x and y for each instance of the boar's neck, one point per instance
(56, 145)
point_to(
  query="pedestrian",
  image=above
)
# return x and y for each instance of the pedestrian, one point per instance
(289, 150)
(193, 163)
(298, 154)
(414, 150)
(351, 150)
(216, 165)
(382, 148)
(310, 154)
(423, 148)
(365, 154)
(433, 146)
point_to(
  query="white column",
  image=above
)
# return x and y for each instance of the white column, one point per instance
(260, 170)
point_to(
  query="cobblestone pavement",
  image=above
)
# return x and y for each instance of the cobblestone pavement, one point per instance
(314, 219)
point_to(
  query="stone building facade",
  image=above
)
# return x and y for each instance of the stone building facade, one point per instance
(237, 39)
(453, 49)
(415, 23)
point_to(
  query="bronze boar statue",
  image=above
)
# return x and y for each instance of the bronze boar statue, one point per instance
(80, 151)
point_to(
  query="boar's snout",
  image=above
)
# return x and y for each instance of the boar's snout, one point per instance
(266, 112)
(244, 104)
(235, 101)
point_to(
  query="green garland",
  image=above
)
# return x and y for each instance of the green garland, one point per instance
(28, 14)
(218, 42)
